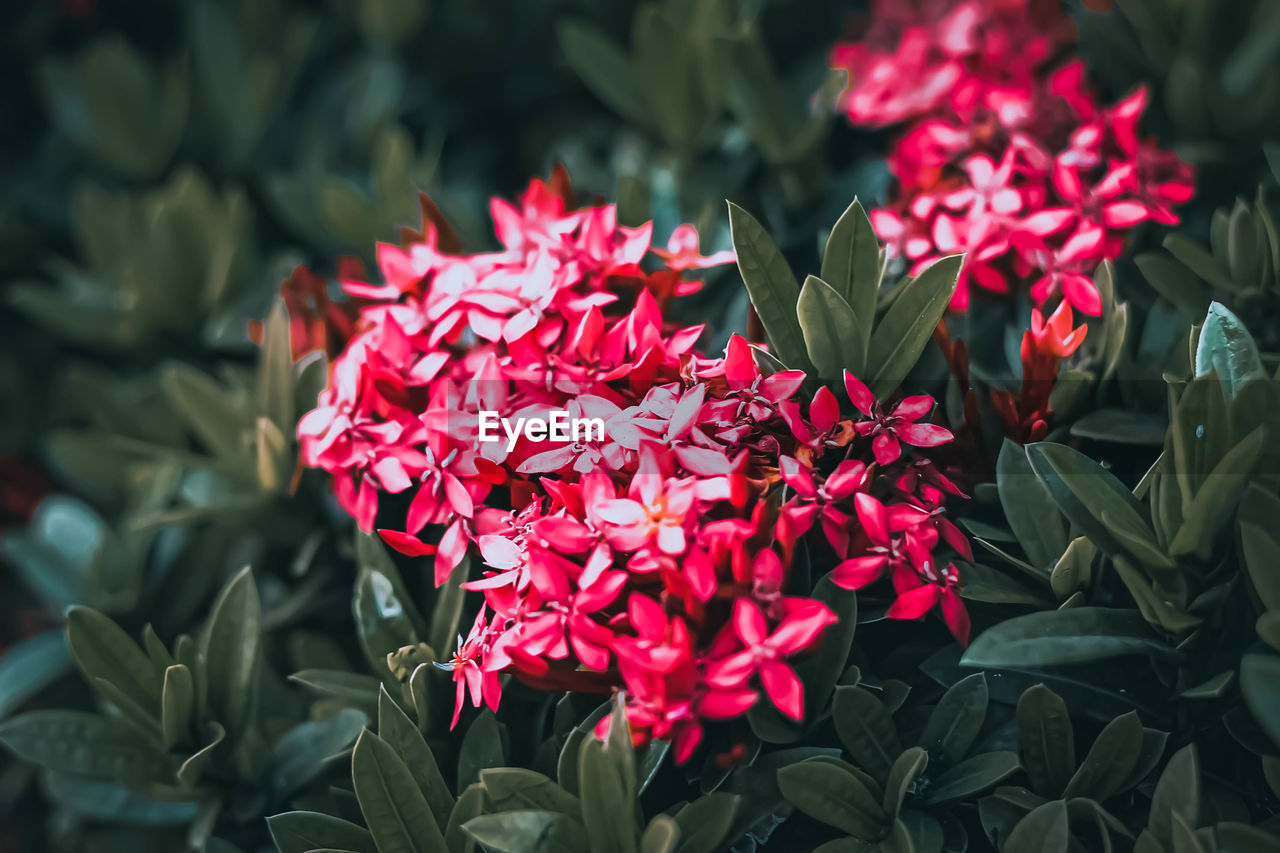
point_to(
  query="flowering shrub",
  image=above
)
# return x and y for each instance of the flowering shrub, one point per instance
(1005, 153)
(654, 557)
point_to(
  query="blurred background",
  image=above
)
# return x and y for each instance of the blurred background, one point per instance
(167, 164)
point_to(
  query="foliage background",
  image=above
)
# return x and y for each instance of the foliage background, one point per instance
(167, 163)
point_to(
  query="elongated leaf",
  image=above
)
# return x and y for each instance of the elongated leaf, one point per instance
(1260, 684)
(1046, 740)
(300, 832)
(1075, 635)
(608, 798)
(771, 285)
(482, 747)
(231, 645)
(1110, 760)
(834, 796)
(177, 705)
(867, 731)
(704, 824)
(902, 778)
(906, 328)
(302, 752)
(511, 788)
(101, 649)
(1227, 348)
(660, 836)
(1177, 795)
(957, 718)
(448, 608)
(471, 804)
(851, 264)
(84, 744)
(974, 775)
(527, 831)
(404, 738)
(1031, 511)
(832, 332)
(397, 814)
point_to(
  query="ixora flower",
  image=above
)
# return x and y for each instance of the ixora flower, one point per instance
(1003, 157)
(649, 553)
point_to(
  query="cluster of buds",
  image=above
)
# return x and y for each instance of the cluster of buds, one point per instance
(1002, 156)
(653, 554)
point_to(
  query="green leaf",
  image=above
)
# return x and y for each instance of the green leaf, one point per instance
(84, 744)
(1046, 740)
(1260, 544)
(101, 649)
(108, 801)
(1215, 503)
(395, 810)
(957, 718)
(1029, 507)
(607, 787)
(448, 608)
(527, 832)
(705, 822)
(1177, 793)
(665, 73)
(771, 285)
(395, 728)
(902, 778)
(1198, 260)
(1260, 685)
(1111, 759)
(866, 730)
(1043, 830)
(1175, 282)
(353, 687)
(210, 412)
(836, 797)
(832, 332)
(190, 771)
(851, 265)
(512, 788)
(303, 752)
(1075, 635)
(907, 326)
(973, 776)
(482, 747)
(177, 705)
(300, 832)
(1092, 498)
(1227, 349)
(231, 652)
(471, 804)
(30, 666)
(605, 69)
(660, 836)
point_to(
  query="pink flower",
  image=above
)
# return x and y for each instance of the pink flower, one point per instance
(899, 424)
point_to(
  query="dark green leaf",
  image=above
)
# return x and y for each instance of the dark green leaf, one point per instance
(705, 822)
(851, 265)
(471, 803)
(84, 744)
(1260, 686)
(973, 776)
(1227, 349)
(397, 814)
(302, 752)
(230, 649)
(957, 718)
(1076, 635)
(448, 609)
(832, 331)
(528, 832)
(30, 666)
(404, 738)
(1046, 740)
(1177, 793)
(511, 788)
(1030, 509)
(1043, 830)
(902, 778)
(481, 748)
(177, 705)
(771, 285)
(866, 730)
(300, 832)
(907, 326)
(836, 797)
(101, 649)
(1111, 759)
(660, 836)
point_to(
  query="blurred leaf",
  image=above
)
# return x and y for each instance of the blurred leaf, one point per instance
(300, 832)
(1260, 685)
(231, 649)
(1076, 635)
(1043, 830)
(704, 823)
(30, 666)
(604, 68)
(84, 744)
(302, 752)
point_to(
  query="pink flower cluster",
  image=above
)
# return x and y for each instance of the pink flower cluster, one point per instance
(654, 558)
(1001, 158)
